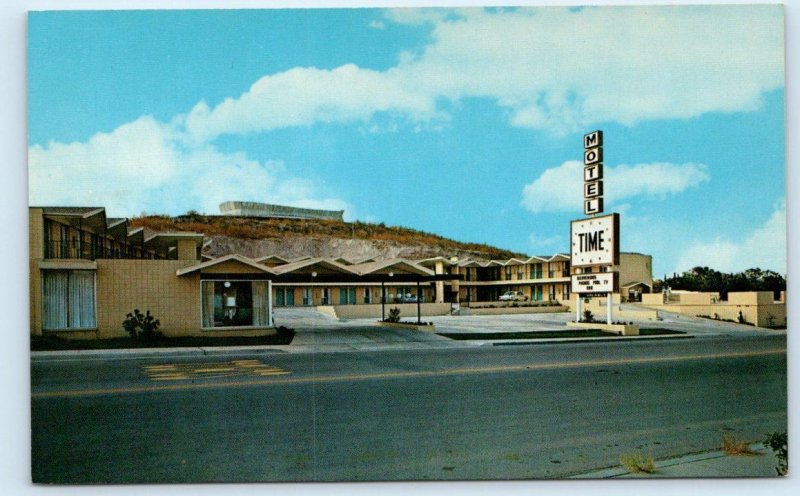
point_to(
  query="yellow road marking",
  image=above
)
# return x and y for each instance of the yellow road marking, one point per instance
(184, 371)
(170, 377)
(214, 369)
(402, 375)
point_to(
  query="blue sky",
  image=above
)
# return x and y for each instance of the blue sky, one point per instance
(466, 123)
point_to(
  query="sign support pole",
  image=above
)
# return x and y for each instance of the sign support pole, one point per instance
(578, 307)
(608, 308)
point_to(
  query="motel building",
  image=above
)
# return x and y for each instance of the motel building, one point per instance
(88, 271)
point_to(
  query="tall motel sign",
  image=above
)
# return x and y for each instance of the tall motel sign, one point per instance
(594, 240)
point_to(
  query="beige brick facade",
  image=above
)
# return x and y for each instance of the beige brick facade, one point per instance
(123, 285)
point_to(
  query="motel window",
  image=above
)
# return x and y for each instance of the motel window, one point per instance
(280, 297)
(367, 295)
(68, 299)
(284, 297)
(347, 296)
(235, 304)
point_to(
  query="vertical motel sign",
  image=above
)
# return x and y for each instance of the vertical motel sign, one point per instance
(594, 241)
(593, 173)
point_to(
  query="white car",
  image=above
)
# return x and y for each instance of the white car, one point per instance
(513, 296)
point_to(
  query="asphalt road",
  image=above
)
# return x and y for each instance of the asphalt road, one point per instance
(474, 413)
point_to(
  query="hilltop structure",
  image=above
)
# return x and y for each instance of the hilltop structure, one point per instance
(267, 210)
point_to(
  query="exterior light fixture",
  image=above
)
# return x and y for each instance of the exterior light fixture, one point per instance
(227, 284)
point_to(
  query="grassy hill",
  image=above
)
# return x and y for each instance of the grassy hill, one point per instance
(408, 242)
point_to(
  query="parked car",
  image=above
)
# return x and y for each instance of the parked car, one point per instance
(513, 296)
(409, 298)
(406, 298)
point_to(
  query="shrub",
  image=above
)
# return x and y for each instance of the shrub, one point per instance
(285, 332)
(140, 325)
(637, 463)
(588, 316)
(779, 443)
(394, 315)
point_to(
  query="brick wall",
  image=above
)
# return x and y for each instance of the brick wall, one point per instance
(123, 285)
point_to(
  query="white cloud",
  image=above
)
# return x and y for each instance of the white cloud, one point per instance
(765, 247)
(563, 70)
(149, 163)
(377, 25)
(560, 188)
(551, 68)
(304, 96)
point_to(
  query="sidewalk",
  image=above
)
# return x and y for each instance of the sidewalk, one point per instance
(702, 465)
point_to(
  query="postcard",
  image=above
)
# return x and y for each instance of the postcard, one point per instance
(407, 244)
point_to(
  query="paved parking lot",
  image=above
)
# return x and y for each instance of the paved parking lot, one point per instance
(315, 328)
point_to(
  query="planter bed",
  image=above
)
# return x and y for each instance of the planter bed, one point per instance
(408, 325)
(571, 333)
(621, 329)
(55, 343)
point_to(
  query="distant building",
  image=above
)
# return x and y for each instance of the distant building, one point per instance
(266, 210)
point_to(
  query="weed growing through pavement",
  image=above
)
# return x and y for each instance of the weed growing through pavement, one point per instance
(735, 447)
(637, 463)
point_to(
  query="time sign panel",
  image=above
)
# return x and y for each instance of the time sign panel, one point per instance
(595, 241)
(593, 283)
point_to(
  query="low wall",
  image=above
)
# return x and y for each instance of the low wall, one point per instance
(517, 310)
(751, 298)
(370, 311)
(408, 325)
(770, 315)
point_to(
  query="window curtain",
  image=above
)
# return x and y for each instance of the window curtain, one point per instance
(81, 299)
(208, 303)
(54, 300)
(260, 304)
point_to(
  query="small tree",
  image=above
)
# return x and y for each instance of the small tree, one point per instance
(779, 443)
(140, 325)
(394, 315)
(588, 316)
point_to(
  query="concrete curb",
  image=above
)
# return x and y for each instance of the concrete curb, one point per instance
(592, 340)
(345, 347)
(324, 348)
(321, 348)
(232, 350)
(127, 352)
